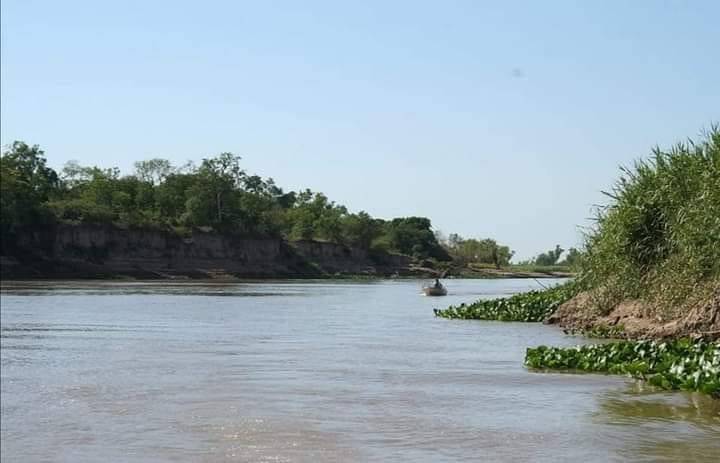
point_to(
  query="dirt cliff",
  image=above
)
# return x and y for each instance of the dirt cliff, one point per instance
(105, 251)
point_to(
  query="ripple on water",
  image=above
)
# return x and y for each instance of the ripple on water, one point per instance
(311, 371)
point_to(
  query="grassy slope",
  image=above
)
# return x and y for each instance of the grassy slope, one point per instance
(658, 240)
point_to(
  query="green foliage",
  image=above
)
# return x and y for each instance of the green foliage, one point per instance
(547, 269)
(487, 251)
(680, 364)
(82, 211)
(550, 257)
(218, 194)
(360, 229)
(572, 259)
(172, 194)
(532, 306)
(313, 215)
(26, 184)
(658, 239)
(153, 171)
(414, 236)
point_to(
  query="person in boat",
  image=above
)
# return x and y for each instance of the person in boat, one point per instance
(437, 284)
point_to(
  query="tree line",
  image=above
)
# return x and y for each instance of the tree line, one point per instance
(553, 257)
(217, 194)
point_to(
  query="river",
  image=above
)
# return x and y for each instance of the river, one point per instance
(311, 371)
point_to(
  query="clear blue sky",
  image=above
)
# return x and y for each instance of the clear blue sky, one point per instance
(494, 119)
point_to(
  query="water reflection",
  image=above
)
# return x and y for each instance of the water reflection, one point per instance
(659, 426)
(646, 405)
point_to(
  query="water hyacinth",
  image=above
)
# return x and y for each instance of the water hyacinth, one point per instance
(532, 306)
(680, 364)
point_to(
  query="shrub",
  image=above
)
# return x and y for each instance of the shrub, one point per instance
(78, 210)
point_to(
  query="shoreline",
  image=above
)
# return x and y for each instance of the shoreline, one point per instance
(224, 277)
(639, 320)
(110, 252)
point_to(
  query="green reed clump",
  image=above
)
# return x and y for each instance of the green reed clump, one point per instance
(658, 239)
(532, 306)
(679, 364)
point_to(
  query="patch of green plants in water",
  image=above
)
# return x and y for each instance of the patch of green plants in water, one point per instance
(532, 306)
(680, 364)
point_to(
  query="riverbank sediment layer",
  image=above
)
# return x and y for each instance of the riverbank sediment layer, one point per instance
(83, 251)
(639, 319)
(105, 251)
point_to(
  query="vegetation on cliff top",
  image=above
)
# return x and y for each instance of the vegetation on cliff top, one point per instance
(217, 194)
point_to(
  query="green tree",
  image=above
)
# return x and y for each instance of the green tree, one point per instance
(213, 199)
(26, 183)
(486, 251)
(414, 236)
(572, 258)
(550, 257)
(171, 195)
(360, 229)
(153, 171)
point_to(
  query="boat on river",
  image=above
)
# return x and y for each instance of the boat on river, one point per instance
(435, 290)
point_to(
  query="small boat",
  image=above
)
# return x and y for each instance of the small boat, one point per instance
(435, 290)
(431, 291)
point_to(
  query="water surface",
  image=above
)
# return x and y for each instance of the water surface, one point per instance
(311, 372)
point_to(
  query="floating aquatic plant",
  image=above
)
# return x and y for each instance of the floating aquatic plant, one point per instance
(531, 306)
(680, 364)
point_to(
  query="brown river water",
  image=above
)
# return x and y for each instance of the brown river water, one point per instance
(312, 371)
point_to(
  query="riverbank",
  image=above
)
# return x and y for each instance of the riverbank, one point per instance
(699, 317)
(85, 251)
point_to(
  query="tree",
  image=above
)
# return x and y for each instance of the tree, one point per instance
(219, 178)
(486, 251)
(172, 194)
(502, 256)
(572, 258)
(360, 229)
(26, 183)
(302, 225)
(414, 236)
(27, 165)
(153, 171)
(549, 258)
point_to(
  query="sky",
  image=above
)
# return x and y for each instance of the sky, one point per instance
(494, 119)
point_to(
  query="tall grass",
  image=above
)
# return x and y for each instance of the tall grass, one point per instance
(659, 239)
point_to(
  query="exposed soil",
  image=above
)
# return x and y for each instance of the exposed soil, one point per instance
(639, 320)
